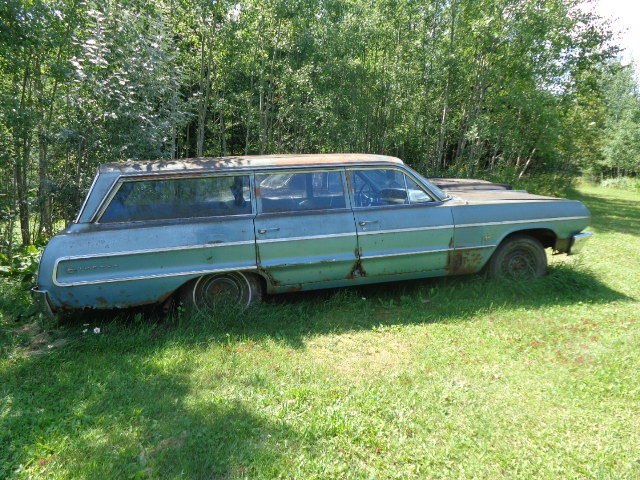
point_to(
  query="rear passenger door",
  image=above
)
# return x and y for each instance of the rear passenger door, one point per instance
(305, 233)
(401, 228)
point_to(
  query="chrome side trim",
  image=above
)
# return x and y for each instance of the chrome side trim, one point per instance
(310, 237)
(367, 257)
(399, 230)
(513, 222)
(136, 252)
(403, 254)
(493, 245)
(264, 267)
(155, 250)
(421, 252)
(163, 275)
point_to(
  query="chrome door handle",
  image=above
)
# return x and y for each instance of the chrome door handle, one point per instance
(364, 223)
(265, 230)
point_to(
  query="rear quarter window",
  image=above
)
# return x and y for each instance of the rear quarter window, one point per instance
(163, 199)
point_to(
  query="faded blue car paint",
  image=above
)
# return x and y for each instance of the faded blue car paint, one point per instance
(93, 264)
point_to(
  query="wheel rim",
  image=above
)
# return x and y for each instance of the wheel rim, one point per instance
(214, 292)
(520, 264)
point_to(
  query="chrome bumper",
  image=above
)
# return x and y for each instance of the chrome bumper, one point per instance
(41, 299)
(578, 241)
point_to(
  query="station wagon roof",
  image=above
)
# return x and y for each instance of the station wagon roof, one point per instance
(245, 162)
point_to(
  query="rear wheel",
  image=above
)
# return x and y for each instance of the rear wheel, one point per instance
(223, 290)
(518, 257)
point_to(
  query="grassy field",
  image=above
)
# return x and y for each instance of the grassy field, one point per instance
(447, 378)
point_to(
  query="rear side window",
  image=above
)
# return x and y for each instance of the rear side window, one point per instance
(286, 192)
(179, 198)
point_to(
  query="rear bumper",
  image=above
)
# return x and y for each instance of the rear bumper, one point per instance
(41, 299)
(571, 245)
(578, 241)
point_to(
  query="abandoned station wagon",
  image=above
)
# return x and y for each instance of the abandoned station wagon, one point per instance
(236, 227)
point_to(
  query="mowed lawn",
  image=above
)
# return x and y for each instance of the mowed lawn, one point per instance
(445, 378)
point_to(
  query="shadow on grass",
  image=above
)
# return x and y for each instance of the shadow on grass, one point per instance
(122, 409)
(295, 317)
(612, 213)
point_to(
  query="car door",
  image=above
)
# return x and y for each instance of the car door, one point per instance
(305, 232)
(401, 228)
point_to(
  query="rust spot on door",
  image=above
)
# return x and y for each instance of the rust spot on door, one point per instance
(270, 277)
(356, 270)
(463, 262)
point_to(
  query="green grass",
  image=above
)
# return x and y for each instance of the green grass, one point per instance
(445, 378)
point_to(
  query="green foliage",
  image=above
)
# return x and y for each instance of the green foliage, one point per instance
(623, 183)
(22, 264)
(475, 86)
(621, 144)
(542, 183)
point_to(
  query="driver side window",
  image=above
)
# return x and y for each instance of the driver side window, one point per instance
(384, 187)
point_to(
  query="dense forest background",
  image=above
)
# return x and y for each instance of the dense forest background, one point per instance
(454, 87)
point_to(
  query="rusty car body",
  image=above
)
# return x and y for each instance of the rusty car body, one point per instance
(237, 227)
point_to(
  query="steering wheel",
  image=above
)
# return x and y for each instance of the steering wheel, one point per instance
(367, 196)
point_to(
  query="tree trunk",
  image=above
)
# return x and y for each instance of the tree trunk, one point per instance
(443, 120)
(205, 88)
(23, 150)
(44, 191)
(249, 115)
(528, 162)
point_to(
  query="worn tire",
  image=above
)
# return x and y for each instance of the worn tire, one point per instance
(222, 290)
(518, 257)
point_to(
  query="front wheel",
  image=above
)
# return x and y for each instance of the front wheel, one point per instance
(213, 292)
(518, 257)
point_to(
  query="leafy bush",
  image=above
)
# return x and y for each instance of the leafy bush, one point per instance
(22, 265)
(622, 183)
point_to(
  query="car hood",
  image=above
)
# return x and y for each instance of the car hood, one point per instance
(498, 196)
(456, 184)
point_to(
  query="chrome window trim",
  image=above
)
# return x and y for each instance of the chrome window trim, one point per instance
(86, 197)
(157, 221)
(264, 168)
(122, 179)
(106, 201)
